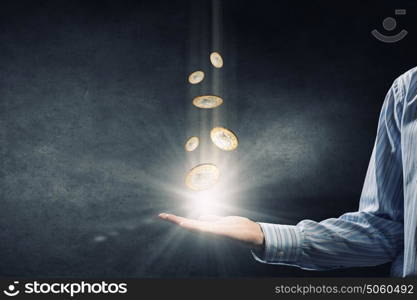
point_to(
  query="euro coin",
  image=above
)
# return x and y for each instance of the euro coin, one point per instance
(196, 77)
(207, 101)
(192, 143)
(202, 177)
(216, 60)
(224, 138)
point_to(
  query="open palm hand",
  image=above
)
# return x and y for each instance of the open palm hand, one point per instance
(236, 228)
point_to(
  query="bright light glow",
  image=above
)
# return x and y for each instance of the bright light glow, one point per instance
(206, 202)
(220, 198)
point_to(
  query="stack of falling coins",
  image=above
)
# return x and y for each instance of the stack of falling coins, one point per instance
(205, 175)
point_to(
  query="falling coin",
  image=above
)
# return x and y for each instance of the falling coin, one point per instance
(216, 60)
(207, 101)
(196, 77)
(224, 138)
(202, 177)
(192, 143)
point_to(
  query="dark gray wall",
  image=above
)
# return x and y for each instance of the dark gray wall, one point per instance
(94, 108)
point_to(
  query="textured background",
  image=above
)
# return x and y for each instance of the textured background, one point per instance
(95, 109)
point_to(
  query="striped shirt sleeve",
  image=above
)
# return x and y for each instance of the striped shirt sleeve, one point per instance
(348, 241)
(282, 243)
(370, 236)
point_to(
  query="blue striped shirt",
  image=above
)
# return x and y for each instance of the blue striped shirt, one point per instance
(384, 227)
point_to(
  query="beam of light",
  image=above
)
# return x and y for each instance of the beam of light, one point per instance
(206, 39)
(213, 201)
(205, 202)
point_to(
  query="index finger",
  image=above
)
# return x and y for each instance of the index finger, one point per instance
(173, 218)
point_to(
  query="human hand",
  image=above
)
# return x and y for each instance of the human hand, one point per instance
(236, 228)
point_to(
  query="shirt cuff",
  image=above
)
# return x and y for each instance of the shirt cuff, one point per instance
(282, 244)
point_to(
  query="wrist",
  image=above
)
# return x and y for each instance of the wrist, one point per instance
(259, 243)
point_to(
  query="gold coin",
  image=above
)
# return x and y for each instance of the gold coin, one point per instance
(202, 177)
(192, 143)
(216, 60)
(224, 138)
(207, 101)
(196, 77)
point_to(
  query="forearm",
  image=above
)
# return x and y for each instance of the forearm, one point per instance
(354, 239)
